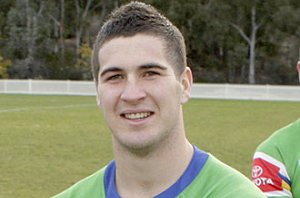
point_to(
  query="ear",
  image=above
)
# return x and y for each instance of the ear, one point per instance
(98, 101)
(186, 80)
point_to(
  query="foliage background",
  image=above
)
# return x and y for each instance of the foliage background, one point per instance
(49, 39)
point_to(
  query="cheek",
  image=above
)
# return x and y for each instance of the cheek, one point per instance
(168, 92)
(106, 97)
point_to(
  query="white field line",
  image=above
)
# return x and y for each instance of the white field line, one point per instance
(43, 107)
(13, 110)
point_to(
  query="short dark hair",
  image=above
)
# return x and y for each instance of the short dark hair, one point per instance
(137, 17)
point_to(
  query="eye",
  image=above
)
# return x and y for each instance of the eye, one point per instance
(114, 78)
(149, 74)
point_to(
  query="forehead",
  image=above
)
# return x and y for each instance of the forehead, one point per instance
(132, 51)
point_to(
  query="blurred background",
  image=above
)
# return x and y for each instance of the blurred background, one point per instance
(228, 41)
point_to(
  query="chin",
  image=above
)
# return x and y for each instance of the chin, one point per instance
(140, 147)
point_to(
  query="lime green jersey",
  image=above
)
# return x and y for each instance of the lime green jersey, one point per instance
(205, 177)
(276, 163)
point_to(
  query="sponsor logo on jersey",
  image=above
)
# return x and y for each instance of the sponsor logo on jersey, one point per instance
(257, 171)
(269, 174)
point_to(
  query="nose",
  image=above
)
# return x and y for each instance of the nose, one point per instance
(133, 92)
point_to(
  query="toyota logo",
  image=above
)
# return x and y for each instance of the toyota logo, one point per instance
(257, 171)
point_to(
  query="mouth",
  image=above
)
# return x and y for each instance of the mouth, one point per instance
(137, 116)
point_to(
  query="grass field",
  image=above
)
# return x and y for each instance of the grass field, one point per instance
(49, 142)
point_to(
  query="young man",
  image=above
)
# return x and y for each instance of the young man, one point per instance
(142, 81)
(276, 162)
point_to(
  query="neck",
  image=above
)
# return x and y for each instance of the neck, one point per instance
(150, 173)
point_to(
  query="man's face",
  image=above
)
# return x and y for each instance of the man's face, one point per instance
(138, 91)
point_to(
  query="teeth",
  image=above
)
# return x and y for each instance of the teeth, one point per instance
(134, 116)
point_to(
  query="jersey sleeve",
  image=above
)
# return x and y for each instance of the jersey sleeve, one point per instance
(271, 176)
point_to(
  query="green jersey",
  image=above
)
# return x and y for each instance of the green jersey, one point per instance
(276, 163)
(204, 177)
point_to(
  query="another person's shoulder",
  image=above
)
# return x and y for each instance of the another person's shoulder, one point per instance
(283, 135)
(282, 141)
(220, 180)
(91, 186)
(275, 162)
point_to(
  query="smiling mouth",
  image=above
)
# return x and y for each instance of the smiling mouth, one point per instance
(136, 116)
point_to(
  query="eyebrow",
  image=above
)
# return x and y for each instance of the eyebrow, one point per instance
(153, 65)
(110, 69)
(141, 67)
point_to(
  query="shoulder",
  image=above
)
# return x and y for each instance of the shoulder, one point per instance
(220, 180)
(216, 168)
(281, 144)
(283, 136)
(275, 162)
(91, 186)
